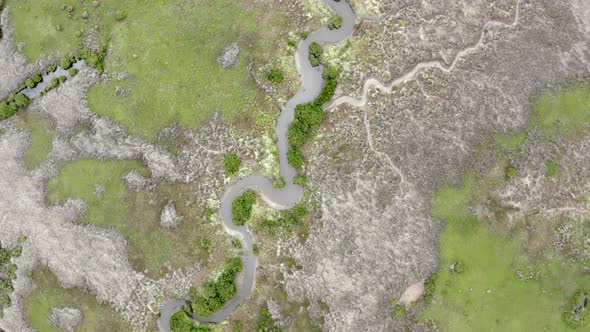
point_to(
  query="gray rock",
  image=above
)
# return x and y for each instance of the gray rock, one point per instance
(229, 56)
(66, 318)
(169, 216)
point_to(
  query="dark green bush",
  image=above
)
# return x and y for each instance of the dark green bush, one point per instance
(327, 92)
(215, 293)
(52, 68)
(275, 75)
(7, 110)
(54, 82)
(32, 81)
(66, 62)
(300, 180)
(241, 207)
(62, 78)
(315, 54)
(72, 71)
(330, 72)
(288, 220)
(295, 158)
(231, 163)
(182, 322)
(335, 22)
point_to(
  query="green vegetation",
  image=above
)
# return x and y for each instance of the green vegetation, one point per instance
(300, 180)
(187, 43)
(552, 168)
(275, 75)
(7, 274)
(49, 294)
(279, 183)
(489, 295)
(231, 163)
(510, 172)
(41, 138)
(137, 214)
(181, 321)
(565, 112)
(315, 54)
(576, 310)
(398, 310)
(32, 81)
(511, 142)
(54, 82)
(214, 293)
(265, 322)
(62, 79)
(335, 22)
(10, 106)
(288, 221)
(72, 71)
(241, 207)
(330, 72)
(308, 117)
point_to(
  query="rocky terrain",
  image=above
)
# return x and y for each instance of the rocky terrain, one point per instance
(375, 167)
(461, 71)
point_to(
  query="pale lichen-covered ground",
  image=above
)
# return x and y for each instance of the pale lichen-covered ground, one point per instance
(375, 167)
(372, 168)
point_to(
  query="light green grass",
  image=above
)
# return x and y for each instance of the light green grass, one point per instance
(41, 133)
(487, 296)
(511, 142)
(552, 169)
(566, 111)
(49, 294)
(132, 214)
(169, 51)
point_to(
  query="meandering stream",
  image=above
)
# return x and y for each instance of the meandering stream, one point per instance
(285, 197)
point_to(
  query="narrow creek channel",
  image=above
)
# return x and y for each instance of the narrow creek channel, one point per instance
(286, 197)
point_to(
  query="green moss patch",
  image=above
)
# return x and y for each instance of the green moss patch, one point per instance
(49, 294)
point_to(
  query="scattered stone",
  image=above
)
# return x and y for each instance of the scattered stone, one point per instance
(66, 318)
(229, 56)
(99, 190)
(85, 15)
(169, 216)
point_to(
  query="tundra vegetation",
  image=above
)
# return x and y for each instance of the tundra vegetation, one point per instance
(137, 214)
(231, 163)
(48, 294)
(502, 285)
(213, 294)
(187, 45)
(182, 321)
(335, 22)
(241, 207)
(7, 275)
(308, 117)
(315, 54)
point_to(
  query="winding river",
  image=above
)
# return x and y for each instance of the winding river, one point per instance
(286, 197)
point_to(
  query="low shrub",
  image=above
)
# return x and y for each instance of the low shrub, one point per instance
(315, 54)
(66, 62)
(231, 163)
(335, 22)
(214, 293)
(576, 310)
(287, 220)
(330, 72)
(62, 78)
(54, 82)
(300, 180)
(275, 75)
(72, 71)
(241, 207)
(279, 183)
